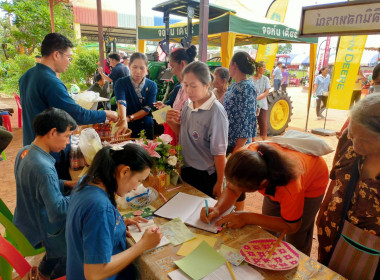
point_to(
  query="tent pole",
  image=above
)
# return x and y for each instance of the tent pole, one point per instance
(100, 32)
(203, 30)
(313, 48)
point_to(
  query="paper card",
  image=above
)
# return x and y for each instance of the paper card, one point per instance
(176, 231)
(190, 245)
(231, 254)
(160, 115)
(243, 272)
(137, 235)
(146, 212)
(201, 261)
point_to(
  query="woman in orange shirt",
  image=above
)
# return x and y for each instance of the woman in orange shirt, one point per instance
(292, 182)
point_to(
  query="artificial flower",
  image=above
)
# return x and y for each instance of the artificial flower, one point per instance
(151, 149)
(172, 160)
(166, 138)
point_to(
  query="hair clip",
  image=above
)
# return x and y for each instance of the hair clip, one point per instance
(260, 153)
(117, 148)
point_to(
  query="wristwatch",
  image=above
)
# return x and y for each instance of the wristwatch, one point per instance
(131, 117)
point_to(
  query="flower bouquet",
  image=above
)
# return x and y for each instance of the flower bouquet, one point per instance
(166, 157)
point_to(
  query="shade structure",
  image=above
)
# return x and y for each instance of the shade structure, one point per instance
(301, 59)
(247, 32)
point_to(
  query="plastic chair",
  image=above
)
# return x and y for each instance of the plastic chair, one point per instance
(6, 121)
(9, 256)
(13, 258)
(19, 109)
(14, 235)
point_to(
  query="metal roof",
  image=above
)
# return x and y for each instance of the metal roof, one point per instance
(179, 8)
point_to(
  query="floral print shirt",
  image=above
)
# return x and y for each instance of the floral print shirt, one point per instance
(240, 104)
(364, 211)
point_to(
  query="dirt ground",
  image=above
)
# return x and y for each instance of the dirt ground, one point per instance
(298, 95)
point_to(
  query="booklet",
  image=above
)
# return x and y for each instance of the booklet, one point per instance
(188, 207)
(160, 115)
(137, 235)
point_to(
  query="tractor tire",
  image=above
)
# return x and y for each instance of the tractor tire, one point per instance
(279, 112)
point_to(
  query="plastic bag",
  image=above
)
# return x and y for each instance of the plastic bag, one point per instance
(141, 197)
(313, 101)
(86, 99)
(89, 143)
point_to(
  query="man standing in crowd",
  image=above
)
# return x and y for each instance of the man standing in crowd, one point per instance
(119, 70)
(42, 202)
(277, 76)
(40, 89)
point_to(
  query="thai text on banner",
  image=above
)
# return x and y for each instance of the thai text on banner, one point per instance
(267, 53)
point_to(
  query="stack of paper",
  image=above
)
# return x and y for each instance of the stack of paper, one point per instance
(188, 207)
(201, 261)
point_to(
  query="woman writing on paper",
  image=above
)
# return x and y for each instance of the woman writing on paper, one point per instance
(202, 127)
(293, 184)
(135, 96)
(95, 230)
(178, 60)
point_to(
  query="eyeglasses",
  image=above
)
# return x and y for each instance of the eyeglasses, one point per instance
(69, 57)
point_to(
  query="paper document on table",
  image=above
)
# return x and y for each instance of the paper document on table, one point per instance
(190, 245)
(201, 262)
(188, 207)
(160, 115)
(137, 235)
(177, 232)
(243, 272)
(231, 254)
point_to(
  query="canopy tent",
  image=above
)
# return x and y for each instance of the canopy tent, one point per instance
(369, 58)
(227, 31)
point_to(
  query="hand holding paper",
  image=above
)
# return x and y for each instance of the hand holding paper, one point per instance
(160, 115)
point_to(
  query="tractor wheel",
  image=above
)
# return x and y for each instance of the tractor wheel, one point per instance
(279, 112)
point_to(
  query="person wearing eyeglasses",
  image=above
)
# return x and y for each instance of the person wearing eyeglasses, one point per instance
(40, 89)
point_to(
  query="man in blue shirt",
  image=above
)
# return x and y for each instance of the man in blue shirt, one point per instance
(277, 76)
(41, 201)
(119, 70)
(40, 88)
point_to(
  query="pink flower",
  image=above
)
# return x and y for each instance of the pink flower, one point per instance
(151, 149)
(166, 138)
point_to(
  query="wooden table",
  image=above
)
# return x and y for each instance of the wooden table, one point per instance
(157, 263)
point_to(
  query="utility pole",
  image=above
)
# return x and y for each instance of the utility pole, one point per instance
(138, 22)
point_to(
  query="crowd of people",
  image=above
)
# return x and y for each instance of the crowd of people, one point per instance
(78, 222)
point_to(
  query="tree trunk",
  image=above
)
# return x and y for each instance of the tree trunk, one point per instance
(4, 46)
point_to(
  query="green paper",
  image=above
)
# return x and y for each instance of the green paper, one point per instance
(201, 262)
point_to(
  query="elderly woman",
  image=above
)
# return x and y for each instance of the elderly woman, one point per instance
(352, 202)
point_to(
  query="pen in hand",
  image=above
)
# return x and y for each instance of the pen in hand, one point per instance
(206, 203)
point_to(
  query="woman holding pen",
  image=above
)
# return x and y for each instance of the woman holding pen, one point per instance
(293, 184)
(95, 230)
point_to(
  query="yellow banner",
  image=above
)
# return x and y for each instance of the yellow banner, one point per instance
(346, 69)
(267, 53)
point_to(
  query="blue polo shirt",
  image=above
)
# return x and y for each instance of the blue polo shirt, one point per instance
(41, 205)
(125, 92)
(322, 84)
(277, 74)
(119, 71)
(95, 231)
(203, 134)
(40, 89)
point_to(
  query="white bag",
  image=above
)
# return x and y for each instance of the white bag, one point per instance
(313, 101)
(89, 144)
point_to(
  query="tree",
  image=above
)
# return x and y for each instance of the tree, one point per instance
(31, 22)
(284, 48)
